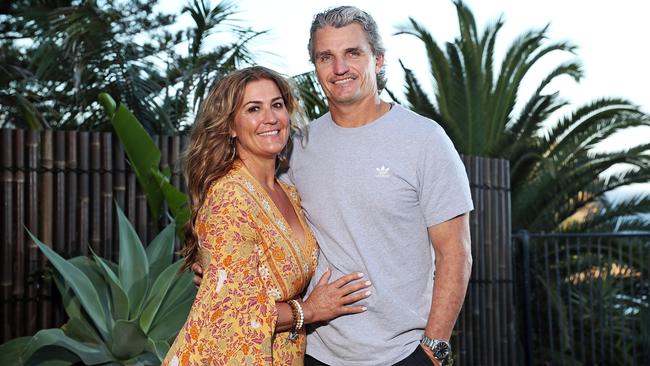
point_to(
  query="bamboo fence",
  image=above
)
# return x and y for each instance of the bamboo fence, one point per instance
(63, 185)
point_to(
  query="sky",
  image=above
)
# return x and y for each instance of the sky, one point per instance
(611, 36)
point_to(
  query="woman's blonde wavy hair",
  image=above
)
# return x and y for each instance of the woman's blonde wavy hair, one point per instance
(210, 153)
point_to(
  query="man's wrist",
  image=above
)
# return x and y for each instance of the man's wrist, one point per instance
(440, 348)
(427, 351)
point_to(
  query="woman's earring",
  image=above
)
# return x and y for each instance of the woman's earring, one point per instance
(282, 156)
(232, 147)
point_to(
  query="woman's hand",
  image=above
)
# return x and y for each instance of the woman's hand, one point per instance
(198, 274)
(330, 300)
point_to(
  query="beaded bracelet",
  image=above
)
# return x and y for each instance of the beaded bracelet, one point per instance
(298, 318)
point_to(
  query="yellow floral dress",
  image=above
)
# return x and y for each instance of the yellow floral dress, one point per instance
(251, 260)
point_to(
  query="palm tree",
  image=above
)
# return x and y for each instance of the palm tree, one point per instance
(559, 183)
(312, 98)
(190, 77)
(77, 50)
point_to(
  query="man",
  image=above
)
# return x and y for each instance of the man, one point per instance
(381, 186)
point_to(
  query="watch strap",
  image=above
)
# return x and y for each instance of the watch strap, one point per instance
(432, 344)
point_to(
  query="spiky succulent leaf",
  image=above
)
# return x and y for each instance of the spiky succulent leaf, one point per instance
(119, 300)
(133, 265)
(158, 293)
(90, 354)
(11, 352)
(160, 252)
(129, 340)
(81, 285)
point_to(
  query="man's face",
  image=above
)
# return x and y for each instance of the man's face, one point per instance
(345, 66)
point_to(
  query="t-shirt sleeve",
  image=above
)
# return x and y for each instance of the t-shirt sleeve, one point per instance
(235, 317)
(444, 190)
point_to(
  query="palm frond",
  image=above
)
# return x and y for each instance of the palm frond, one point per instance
(312, 98)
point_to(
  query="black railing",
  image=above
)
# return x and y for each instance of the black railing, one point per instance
(584, 299)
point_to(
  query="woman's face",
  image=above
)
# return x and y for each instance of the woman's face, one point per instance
(262, 121)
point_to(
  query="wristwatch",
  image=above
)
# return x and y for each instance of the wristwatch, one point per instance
(441, 349)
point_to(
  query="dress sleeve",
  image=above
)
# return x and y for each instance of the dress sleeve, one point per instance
(236, 320)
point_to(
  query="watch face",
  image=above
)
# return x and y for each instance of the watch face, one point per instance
(441, 350)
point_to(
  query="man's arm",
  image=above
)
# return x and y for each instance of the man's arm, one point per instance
(452, 244)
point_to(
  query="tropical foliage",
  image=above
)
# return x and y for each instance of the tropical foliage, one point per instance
(119, 313)
(558, 181)
(57, 56)
(589, 301)
(144, 156)
(312, 98)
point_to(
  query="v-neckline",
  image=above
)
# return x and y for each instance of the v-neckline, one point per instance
(276, 211)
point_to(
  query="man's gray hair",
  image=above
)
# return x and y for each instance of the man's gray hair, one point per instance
(343, 16)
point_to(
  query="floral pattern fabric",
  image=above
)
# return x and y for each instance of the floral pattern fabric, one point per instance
(251, 260)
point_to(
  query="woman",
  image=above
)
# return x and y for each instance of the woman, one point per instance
(249, 234)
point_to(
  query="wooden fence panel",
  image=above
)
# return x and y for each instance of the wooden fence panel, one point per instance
(59, 218)
(63, 186)
(484, 333)
(6, 189)
(32, 268)
(107, 203)
(83, 215)
(20, 255)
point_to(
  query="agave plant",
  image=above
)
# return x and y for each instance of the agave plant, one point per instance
(119, 313)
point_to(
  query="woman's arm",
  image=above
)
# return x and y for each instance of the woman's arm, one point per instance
(326, 302)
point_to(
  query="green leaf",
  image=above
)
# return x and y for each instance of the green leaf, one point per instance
(30, 113)
(53, 356)
(120, 302)
(168, 325)
(133, 265)
(143, 154)
(160, 252)
(93, 272)
(71, 302)
(158, 293)
(166, 172)
(81, 285)
(181, 289)
(108, 103)
(128, 339)
(177, 201)
(80, 329)
(89, 354)
(145, 359)
(10, 352)
(79, 325)
(159, 348)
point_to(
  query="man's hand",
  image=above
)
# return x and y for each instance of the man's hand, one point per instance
(198, 273)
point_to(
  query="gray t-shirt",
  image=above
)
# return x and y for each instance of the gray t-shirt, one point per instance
(369, 194)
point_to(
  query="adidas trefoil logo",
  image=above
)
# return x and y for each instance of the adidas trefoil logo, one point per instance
(382, 172)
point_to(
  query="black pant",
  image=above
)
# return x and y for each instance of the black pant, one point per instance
(417, 358)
